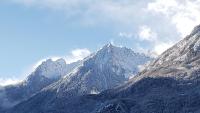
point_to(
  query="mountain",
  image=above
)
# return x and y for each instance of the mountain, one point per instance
(107, 68)
(170, 84)
(45, 74)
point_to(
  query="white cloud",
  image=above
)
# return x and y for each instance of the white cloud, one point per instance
(77, 54)
(146, 33)
(185, 14)
(8, 81)
(161, 47)
(125, 35)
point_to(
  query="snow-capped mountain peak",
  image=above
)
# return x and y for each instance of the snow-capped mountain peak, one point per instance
(52, 69)
(109, 45)
(120, 56)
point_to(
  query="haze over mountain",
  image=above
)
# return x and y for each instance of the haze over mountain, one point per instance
(170, 84)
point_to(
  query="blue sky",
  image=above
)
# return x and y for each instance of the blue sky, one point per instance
(32, 30)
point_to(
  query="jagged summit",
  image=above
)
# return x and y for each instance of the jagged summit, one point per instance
(109, 45)
(122, 57)
(51, 61)
(52, 69)
(107, 48)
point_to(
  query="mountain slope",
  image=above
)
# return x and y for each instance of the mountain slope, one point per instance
(109, 67)
(180, 62)
(45, 74)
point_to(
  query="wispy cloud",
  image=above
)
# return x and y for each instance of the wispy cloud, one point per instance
(162, 46)
(125, 35)
(77, 54)
(146, 33)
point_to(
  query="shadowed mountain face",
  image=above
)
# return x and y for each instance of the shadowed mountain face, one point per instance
(170, 84)
(149, 95)
(154, 95)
